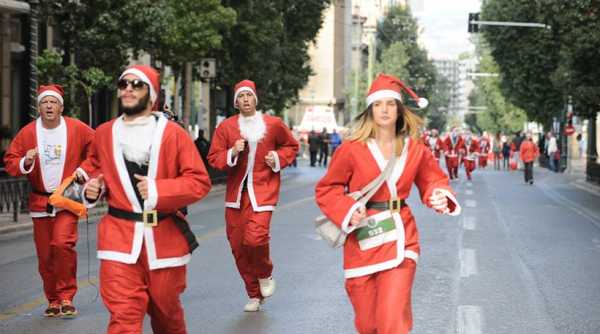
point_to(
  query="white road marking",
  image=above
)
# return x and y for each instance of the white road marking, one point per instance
(469, 223)
(468, 262)
(469, 319)
(469, 184)
(471, 203)
(468, 192)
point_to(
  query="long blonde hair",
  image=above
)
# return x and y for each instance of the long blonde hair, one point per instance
(407, 125)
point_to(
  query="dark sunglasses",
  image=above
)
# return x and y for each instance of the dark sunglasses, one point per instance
(135, 84)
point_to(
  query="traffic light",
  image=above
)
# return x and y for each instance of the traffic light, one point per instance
(473, 27)
(208, 68)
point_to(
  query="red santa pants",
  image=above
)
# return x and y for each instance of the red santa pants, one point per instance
(483, 160)
(129, 291)
(55, 239)
(248, 235)
(469, 167)
(382, 301)
(452, 165)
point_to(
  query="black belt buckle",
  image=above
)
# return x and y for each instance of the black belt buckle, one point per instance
(150, 218)
(49, 209)
(395, 204)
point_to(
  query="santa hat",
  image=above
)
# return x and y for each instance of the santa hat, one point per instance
(51, 90)
(244, 86)
(148, 75)
(385, 86)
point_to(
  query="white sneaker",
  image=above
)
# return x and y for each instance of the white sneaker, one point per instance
(253, 305)
(267, 286)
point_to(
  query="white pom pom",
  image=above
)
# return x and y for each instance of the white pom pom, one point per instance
(422, 103)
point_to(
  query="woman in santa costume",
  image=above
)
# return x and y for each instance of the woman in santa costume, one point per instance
(47, 151)
(380, 258)
(453, 146)
(484, 150)
(148, 168)
(252, 148)
(471, 149)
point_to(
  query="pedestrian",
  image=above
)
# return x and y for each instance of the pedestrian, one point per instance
(581, 145)
(471, 148)
(529, 152)
(505, 153)
(516, 144)
(484, 150)
(202, 145)
(324, 149)
(380, 259)
(314, 144)
(453, 146)
(552, 149)
(46, 151)
(148, 167)
(253, 148)
(435, 144)
(497, 150)
(298, 138)
(334, 140)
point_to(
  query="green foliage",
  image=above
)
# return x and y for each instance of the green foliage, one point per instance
(269, 45)
(540, 67)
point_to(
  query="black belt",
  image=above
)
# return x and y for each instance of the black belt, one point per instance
(394, 205)
(151, 218)
(49, 208)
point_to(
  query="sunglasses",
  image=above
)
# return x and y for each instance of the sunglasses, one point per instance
(136, 84)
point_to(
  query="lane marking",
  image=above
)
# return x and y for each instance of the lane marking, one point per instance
(468, 192)
(468, 262)
(471, 203)
(469, 184)
(563, 201)
(469, 319)
(469, 223)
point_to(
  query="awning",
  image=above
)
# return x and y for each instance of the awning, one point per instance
(17, 7)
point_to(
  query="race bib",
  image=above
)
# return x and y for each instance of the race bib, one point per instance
(380, 229)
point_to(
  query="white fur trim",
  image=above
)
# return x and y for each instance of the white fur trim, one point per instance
(382, 94)
(410, 254)
(22, 166)
(129, 258)
(346, 227)
(451, 197)
(243, 89)
(153, 261)
(150, 202)
(277, 167)
(142, 77)
(231, 161)
(50, 93)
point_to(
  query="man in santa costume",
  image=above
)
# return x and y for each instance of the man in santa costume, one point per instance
(48, 150)
(453, 146)
(148, 168)
(484, 150)
(471, 149)
(435, 144)
(253, 148)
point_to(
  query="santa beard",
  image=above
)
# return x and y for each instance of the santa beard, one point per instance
(136, 109)
(252, 128)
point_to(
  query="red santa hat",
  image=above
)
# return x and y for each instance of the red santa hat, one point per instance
(51, 90)
(148, 75)
(385, 86)
(244, 86)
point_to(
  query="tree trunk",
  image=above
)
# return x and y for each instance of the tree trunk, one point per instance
(187, 96)
(176, 94)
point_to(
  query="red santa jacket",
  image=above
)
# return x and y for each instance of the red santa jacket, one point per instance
(177, 177)
(435, 145)
(353, 166)
(262, 181)
(484, 146)
(471, 148)
(453, 148)
(79, 139)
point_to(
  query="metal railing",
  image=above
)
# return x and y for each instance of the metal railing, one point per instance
(14, 196)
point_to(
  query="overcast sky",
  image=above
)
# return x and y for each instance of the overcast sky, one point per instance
(444, 24)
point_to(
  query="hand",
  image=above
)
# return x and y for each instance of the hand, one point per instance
(142, 185)
(30, 156)
(270, 159)
(94, 187)
(439, 201)
(357, 216)
(239, 146)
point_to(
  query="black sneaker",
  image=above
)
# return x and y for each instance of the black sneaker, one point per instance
(67, 310)
(52, 311)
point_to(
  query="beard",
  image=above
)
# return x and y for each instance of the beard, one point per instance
(136, 109)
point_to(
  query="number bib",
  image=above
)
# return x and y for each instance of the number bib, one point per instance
(380, 229)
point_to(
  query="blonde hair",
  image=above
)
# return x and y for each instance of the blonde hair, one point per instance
(407, 125)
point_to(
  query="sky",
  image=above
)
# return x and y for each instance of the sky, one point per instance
(444, 24)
